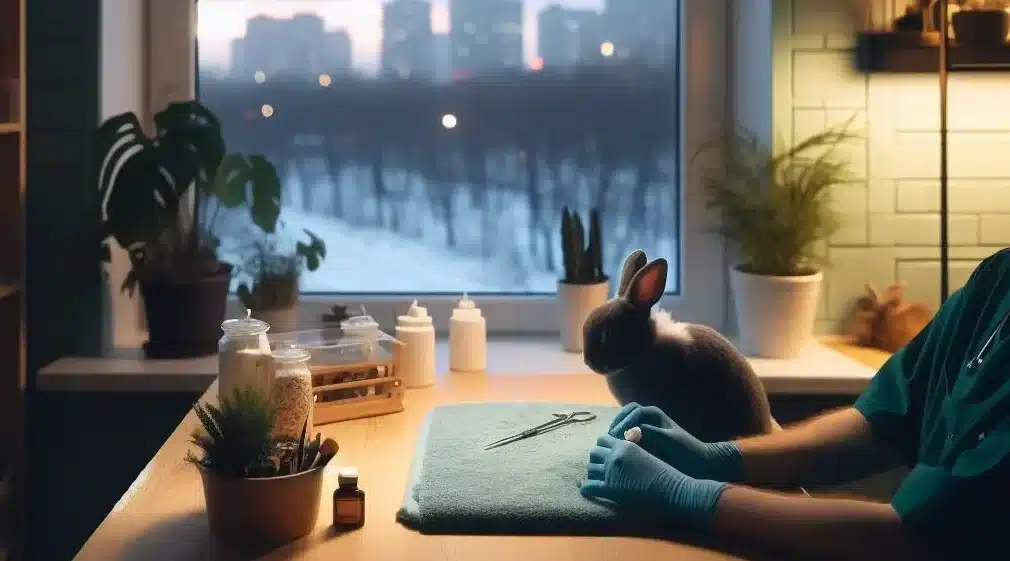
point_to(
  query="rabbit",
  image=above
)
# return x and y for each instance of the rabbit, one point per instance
(885, 321)
(690, 371)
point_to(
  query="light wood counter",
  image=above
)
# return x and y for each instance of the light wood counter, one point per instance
(161, 517)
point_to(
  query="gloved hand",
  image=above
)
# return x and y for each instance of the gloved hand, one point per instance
(622, 472)
(663, 438)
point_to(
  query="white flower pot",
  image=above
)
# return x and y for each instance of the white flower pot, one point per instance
(775, 315)
(576, 302)
(281, 320)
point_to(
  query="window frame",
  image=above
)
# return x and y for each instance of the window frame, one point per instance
(171, 75)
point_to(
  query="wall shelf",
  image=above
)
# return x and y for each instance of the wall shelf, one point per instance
(9, 289)
(905, 53)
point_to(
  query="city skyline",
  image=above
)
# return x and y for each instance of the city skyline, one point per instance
(221, 21)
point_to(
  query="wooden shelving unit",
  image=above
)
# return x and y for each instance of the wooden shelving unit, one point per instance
(12, 191)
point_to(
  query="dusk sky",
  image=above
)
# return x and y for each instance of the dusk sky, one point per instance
(223, 20)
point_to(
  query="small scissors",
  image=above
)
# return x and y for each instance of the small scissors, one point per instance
(560, 420)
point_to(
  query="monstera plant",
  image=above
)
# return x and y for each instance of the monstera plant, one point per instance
(160, 197)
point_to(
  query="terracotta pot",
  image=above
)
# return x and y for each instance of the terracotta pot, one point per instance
(281, 320)
(268, 511)
(184, 316)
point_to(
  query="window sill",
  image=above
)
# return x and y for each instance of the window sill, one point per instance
(821, 370)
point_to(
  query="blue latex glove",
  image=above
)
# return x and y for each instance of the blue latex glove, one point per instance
(663, 438)
(622, 472)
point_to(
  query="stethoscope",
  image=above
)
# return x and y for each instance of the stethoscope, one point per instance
(977, 360)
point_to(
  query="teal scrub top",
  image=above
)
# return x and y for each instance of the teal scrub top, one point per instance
(943, 404)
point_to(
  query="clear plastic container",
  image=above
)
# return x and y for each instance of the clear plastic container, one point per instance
(291, 392)
(363, 329)
(339, 357)
(244, 356)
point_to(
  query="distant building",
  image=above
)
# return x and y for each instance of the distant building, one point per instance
(442, 48)
(641, 30)
(485, 36)
(407, 40)
(297, 47)
(567, 37)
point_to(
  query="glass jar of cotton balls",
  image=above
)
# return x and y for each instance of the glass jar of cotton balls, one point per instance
(244, 356)
(291, 392)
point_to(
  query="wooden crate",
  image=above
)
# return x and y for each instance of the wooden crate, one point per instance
(365, 388)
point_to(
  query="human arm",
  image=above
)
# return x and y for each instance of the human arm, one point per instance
(823, 529)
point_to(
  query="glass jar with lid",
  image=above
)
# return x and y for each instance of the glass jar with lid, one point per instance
(244, 356)
(291, 392)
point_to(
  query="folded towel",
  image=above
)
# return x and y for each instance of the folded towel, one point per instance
(526, 487)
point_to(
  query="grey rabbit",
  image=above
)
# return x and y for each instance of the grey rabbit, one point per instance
(690, 371)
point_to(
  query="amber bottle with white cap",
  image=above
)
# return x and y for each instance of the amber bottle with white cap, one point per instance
(467, 338)
(417, 356)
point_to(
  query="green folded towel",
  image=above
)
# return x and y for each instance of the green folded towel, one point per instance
(527, 487)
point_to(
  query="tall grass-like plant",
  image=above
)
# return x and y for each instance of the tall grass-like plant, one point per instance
(776, 206)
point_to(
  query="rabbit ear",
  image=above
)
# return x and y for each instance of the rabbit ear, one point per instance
(872, 292)
(648, 284)
(632, 264)
(895, 292)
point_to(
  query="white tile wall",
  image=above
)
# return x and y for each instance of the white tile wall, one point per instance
(892, 221)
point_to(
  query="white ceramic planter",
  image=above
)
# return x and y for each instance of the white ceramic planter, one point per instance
(775, 315)
(281, 320)
(575, 303)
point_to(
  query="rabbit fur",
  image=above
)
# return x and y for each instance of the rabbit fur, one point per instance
(885, 321)
(690, 371)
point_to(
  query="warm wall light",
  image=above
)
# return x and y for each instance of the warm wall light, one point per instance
(607, 48)
(537, 64)
(449, 121)
(325, 80)
(259, 76)
(267, 110)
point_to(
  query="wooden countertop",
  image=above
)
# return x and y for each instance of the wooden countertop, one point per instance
(162, 518)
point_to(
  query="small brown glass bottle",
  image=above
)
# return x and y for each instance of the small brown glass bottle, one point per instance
(348, 501)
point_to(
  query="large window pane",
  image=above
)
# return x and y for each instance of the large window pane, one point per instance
(432, 145)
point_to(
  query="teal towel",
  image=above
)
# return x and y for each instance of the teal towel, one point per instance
(527, 487)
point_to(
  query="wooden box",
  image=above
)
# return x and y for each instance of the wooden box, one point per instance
(365, 388)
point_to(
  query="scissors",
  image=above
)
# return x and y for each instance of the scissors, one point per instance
(560, 420)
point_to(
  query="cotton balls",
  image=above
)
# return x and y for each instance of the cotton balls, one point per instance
(634, 434)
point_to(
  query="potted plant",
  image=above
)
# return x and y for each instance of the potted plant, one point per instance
(584, 287)
(775, 208)
(257, 487)
(982, 22)
(160, 196)
(271, 286)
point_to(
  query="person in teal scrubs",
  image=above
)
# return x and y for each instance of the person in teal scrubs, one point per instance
(940, 405)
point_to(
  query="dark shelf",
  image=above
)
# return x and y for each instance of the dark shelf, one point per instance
(905, 53)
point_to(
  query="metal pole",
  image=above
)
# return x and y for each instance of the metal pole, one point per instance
(944, 218)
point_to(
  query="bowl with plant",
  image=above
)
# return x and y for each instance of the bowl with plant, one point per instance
(257, 486)
(161, 195)
(775, 210)
(584, 286)
(269, 276)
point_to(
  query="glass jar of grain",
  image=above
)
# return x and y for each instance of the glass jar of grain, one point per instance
(244, 356)
(291, 392)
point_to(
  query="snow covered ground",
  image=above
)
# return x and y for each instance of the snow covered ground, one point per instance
(416, 260)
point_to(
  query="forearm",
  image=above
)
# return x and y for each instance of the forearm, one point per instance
(822, 529)
(832, 448)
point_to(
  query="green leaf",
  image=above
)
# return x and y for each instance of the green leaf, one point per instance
(266, 194)
(230, 182)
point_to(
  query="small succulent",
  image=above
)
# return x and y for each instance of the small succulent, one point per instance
(236, 438)
(583, 262)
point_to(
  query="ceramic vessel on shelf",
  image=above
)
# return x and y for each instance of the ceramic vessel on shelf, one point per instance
(576, 302)
(775, 314)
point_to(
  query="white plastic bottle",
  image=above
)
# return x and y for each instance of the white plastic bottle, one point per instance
(417, 357)
(467, 338)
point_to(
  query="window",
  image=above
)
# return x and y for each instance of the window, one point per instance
(432, 167)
